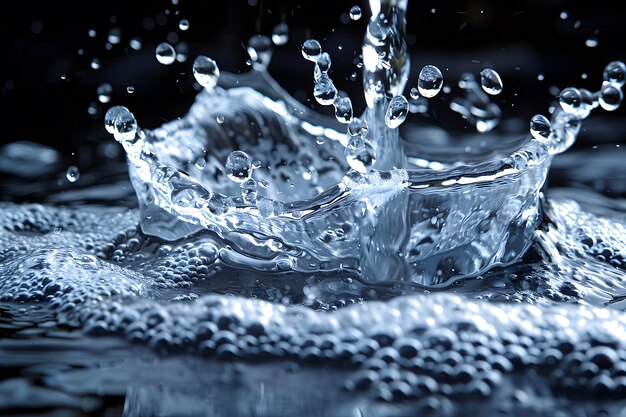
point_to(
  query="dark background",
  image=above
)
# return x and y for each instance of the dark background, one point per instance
(47, 86)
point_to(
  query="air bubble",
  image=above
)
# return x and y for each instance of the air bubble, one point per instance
(104, 92)
(430, 81)
(206, 72)
(165, 53)
(311, 50)
(610, 97)
(615, 73)
(260, 51)
(72, 174)
(238, 166)
(540, 128)
(396, 112)
(355, 13)
(280, 34)
(360, 154)
(490, 81)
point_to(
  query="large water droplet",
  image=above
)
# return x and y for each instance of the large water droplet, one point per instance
(615, 73)
(260, 51)
(311, 50)
(610, 97)
(360, 154)
(206, 72)
(280, 34)
(396, 112)
(430, 81)
(119, 121)
(570, 100)
(324, 91)
(104, 92)
(540, 128)
(238, 166)
(343, 109)
(72, 174)
(355, 13)
(490, 81)
(165, 53)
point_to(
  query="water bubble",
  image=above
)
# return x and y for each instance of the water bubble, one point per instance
(360, 154)
(260, 51)
(311, 50)
(200, 163)
(343, 109)
(414, 93)
(490, 81)
(238, 166)
(72, 174)
(95, 63)
(115, 36)
(121, 123)
(183, 24)
(570, 100)
(396, 112)
(249, 191)
(430, 81)
(324, 90)
(165, 53)
(135, 43)
(104, 92)
(615, 73)
(355, 13)
(610, 97)
(206, 72)
(280, 34)
(540, 128)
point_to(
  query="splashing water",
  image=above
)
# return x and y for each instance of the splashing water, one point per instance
(253, 194)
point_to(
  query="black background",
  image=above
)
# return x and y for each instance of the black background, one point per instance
(41, 39)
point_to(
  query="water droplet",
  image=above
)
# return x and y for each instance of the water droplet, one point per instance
(248, 191)
(414, 93)
(200, 163)
(219, 118)
(564, 15)
(343, 109)
(165, 53)
(311, 50)
(396, 112)
(256, 164)
(72, 174)
(264, 183)
(206, 72)
(95, 63)
(490, 81)
(591, 42)
(610, 97)
(115, 36)
(615, 73)
(104, 92)
(135, 43)
(130, 89)
(322, 65)
(238, 166)
(92, 33)
(430, 81)
(355, 13)
(121, 123)
(324, 91)
(57, 230)
(540, 128)
(357, 127)
(183, 24)
(570, 100)
(360, 154)
(280, 34)
(260, 51)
